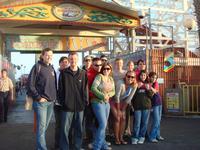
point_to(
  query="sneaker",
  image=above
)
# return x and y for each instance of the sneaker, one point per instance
(108, 143)
(141, 140)
(134, 141)
(160, 138)
(90, 146)
(108, 148)
(154, 141)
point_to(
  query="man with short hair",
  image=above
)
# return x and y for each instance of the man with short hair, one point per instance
(6, 91)
(63, 63)
(103, 58)
(87, 62)
(89, 114)
(73, 96)
(42, 88)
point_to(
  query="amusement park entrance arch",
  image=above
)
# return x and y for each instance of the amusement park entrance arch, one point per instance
(80, 25)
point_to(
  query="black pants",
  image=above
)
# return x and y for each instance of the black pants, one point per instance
(58, 115)
(91, 123)
(4, 102)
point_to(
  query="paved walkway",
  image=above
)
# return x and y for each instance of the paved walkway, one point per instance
(17, 134)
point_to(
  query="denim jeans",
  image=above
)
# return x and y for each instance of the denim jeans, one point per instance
(156, 119)
(140, 123)
(67, 118)
(44, 111)
(101, 111)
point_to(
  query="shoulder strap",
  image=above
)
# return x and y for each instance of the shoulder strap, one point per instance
(38, 68)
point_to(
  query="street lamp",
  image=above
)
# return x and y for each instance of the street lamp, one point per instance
(189, 23)
(142, 15)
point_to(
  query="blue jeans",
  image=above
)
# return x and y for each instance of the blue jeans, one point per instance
(156, 119)
(101, 111)
(44, 111)
(67, 118)
(140, 123)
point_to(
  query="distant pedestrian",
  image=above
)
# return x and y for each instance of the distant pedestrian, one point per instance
(6, 94)
(73, 96)
(42, 88)
(63, 63)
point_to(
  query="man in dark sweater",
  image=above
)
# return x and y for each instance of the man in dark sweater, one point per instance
(42, 88)
(73, 96)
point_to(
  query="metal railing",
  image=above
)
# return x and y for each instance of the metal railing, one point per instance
(191, 99)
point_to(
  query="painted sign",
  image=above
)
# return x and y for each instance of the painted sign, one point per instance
(173, 102)
(56, 43)
(29, 43)
(169, 61)
(68, 12)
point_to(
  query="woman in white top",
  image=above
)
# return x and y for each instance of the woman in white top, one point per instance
(125, 90)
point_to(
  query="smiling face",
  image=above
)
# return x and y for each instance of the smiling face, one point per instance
(97, 65)
(73, 59)
(64, 64)
(143, 76)
(106, 70)
(130, 78)
(130, 66)
(119, 64)
(153, 78)
(47, 57)
(141, 66)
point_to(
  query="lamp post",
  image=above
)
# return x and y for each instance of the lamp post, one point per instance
(142, 15)
(189, 24)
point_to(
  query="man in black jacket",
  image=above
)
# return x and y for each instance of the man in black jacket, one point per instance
(73, 96)
(63, 63)
(42, 88)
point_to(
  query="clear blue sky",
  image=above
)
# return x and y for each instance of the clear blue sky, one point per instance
(28, 60)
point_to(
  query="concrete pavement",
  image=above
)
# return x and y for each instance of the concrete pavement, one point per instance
(17, 134)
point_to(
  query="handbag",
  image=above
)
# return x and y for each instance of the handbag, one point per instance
(28, 103)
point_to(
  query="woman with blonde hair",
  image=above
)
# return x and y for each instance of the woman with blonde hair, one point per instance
(125, 90)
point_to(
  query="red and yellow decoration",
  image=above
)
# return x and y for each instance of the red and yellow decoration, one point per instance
(66, 13)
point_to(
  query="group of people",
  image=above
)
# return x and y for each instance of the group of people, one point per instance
(82, 100)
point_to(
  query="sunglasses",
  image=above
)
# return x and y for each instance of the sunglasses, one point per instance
(104, 59)
(88, 60)
(98, 65)
(106, 69)
(132, 77)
